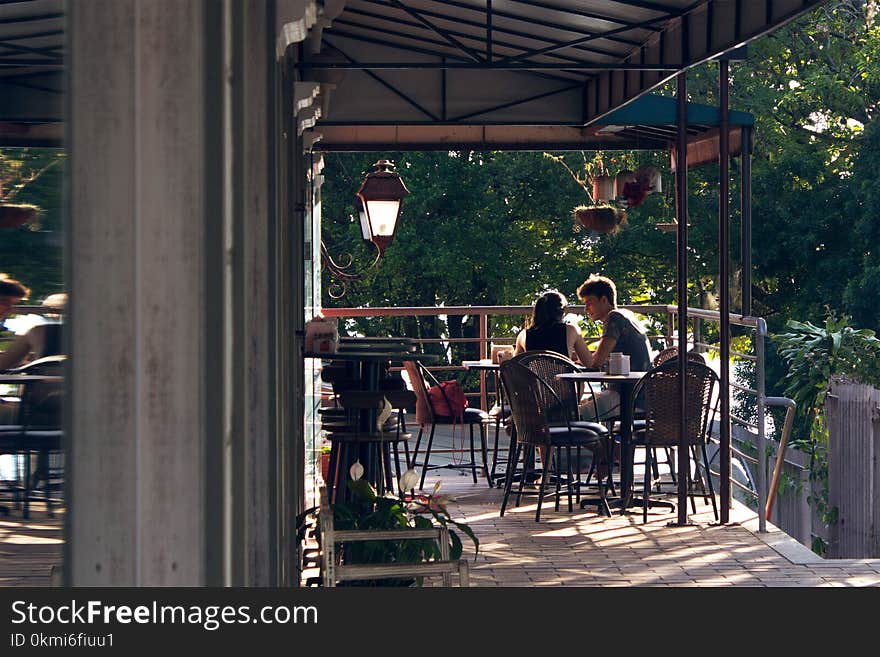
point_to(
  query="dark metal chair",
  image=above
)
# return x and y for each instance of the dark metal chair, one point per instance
(547, 364)
(38, 431)
(666, 355)
(421, 379)
(661, 426)
(672, 352)
(533, 403)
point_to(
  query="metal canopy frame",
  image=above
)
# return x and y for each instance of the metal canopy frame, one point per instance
(31, 72)
(563, 63)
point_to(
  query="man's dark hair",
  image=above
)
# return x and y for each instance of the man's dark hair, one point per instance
(548, 308)
(598, 286)
(9, 287)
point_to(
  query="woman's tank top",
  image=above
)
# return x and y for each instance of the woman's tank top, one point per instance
(549, 337)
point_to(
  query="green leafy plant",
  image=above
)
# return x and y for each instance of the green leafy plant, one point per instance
(813, 355)
(367, 510)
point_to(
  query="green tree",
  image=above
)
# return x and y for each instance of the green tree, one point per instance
(32, 253)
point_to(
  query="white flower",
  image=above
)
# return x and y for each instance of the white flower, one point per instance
(409, 479)
(356, 471)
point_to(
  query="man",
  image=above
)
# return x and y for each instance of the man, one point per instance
(620, 332)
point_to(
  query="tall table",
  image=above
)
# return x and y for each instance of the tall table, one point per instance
(486, 365)
(368, 365)
(625, 383)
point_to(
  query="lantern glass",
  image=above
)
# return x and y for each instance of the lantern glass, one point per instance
(383, 216)
(365, 222)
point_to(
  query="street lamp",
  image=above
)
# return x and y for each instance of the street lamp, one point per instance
(378, 204)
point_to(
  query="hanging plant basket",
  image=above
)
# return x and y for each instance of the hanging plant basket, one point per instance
(605, 219)
(14, 215)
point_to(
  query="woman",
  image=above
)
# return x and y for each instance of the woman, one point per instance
(547, 331)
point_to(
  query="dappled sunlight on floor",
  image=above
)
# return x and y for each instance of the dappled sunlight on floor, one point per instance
(29, 548)
(582, 548)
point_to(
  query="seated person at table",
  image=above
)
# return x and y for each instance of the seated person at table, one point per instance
(41, 340)
(620, 332)
(547, 331)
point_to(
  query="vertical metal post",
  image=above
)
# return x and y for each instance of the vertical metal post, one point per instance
(484, 336)
(761, 445)
(489, 31)
(724, 280)
(681, 194)
(746, 219)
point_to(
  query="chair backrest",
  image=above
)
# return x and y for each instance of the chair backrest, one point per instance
(562, 398)
(418, 374)
(660, 386)
(671, 353)
(528, 396)
(42, 402)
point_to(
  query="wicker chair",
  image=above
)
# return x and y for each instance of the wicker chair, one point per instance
(672, 352)
(666, 355)
(547, 364)
(661, 425)
(532, 403)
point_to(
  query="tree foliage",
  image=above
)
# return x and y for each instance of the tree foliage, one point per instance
(32, 253)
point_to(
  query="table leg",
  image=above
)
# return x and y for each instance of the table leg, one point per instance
(626, 456)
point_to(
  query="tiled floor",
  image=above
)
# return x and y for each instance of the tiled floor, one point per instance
(29, 548)
(584, 549)
(564, 549)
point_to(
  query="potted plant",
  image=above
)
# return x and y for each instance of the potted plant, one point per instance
(324, 451)
(600, 218)
(369, 511)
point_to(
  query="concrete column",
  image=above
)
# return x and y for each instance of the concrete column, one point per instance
(170, 243)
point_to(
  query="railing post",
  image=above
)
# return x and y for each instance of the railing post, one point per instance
(482, 353)
(760, 332)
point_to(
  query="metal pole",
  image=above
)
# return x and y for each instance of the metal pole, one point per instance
(481, 354)
(724, 279)
(761, 445)
(681, 194)
(746, 219)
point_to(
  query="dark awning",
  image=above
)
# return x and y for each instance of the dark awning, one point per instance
(470, 70)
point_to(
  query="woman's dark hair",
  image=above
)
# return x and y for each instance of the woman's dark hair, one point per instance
(548, 309)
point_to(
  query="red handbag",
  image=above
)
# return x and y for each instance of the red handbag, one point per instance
(448, 399)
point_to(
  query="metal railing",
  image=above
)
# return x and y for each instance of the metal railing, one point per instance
(667, 338)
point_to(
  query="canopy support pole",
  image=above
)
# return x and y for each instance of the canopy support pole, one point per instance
(724, 285)
(682, 208)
